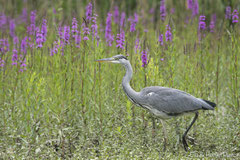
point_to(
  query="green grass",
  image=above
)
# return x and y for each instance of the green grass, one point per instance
(72, 107)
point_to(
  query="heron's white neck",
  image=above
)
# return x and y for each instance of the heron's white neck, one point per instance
(131, 93)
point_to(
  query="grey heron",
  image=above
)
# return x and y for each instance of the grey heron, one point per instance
(163, 102)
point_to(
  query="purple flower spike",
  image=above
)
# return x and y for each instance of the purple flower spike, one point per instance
(24, 45)
(122, 21)
(78, 40)
(144, 58)
(162, 10)
(202, 23)
(14, 57)
(228, 12)
(94, 27)
(89, 12)
(160, 39)
(116, 15)
(212, 23)
(86, 32)
(189, 4)
(2, 62)
(108, 30)
(120, 39)
(235, 16)
(4, 46)
(44, 30)
(24, 15)
(137, 45)
(3, 20)
(168, 34)
(195, 8)
(66, 34)
(39, 38)
(12, 28)
(74, 27)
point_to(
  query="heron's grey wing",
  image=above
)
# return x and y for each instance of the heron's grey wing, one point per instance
(171, 101)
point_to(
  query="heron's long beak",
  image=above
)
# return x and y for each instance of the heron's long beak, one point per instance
(105, 60)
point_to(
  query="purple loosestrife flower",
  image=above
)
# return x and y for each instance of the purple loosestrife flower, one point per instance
(39, 38)
(160, 39)
(202, 23)
(74, 26)
(189, 4)
(4, 46)
(195, 8)
(44, 30)
(31, 28)
(168, 34)
(116, 15)
(14, 57)
(108, 30)
(228, 12)
(137, 45)
(22, 65)
(54, 50)
(235, 16)
(212, 23)
(144, 58)
(162, 10)
(89, 12)
(12, 28)
(78, 40)
(86, 32)
(24, 45)
(66, 34)
(120, 39)
(15, 42)
(2, 62)
(3, 20)
(24, 16)
(132, 26)
(122, 20)
(33, 17)
(94, 26)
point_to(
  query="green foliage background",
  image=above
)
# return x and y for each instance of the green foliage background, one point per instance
(72, 107)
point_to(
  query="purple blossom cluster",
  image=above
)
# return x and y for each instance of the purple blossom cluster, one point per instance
(162, 10)
(212, 23)
(120, 39)
(74, 27)
(202, 23)
(116, 15)
(228, 12)
(189, 4)
(44, 30)
(108, 30)
(144, 58)
(133, 22)
(2, 62)
(39, 38)
(195, 8)
(12, 28)
(137, 45)
(4, 46)
(89, 12)
(122, 20)
(160, 39)
(235, 16)
(168, 34)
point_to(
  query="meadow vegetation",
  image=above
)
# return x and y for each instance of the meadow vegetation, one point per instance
(56, 102)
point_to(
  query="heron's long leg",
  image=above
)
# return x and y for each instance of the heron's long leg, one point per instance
(184, 135)
(165, 135)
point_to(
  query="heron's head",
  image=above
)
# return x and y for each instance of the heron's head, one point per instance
(115, 59)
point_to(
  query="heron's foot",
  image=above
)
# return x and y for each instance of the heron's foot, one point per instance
(185, 145)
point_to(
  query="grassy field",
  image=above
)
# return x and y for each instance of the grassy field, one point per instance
(56, 102)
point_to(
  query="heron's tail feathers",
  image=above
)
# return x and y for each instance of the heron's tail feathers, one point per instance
(210, 103)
